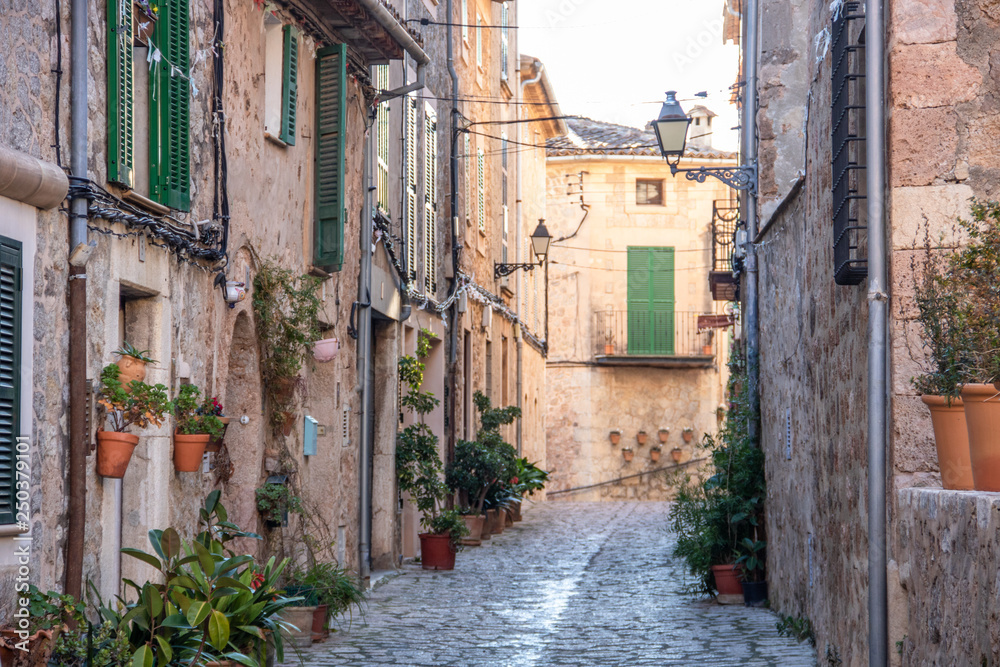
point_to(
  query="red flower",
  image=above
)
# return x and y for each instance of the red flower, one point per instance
(513, 480)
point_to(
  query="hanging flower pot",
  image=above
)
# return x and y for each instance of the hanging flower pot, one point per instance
(114, 451)
(676, 453)
(615, 436)
(706, 350)
(688, 434)
(982, 415)
(641, 437)
(132, 364)
(188, 450)
(627, 454)
(663, 434)
(654, 454)
(951, 435)
(325, 350)
(215, 444)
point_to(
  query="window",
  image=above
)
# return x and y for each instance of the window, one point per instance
(479, 42)
(489, 369)
(331, 106)
(381, 78)
(168, 114)
(411, 187)
(648, 192)
(281, 56)
(650, 300)
(504, 39)
(430, 201)
(481, 189)
(503, 196)
(464, 20)
(850, 219)
(10, 374)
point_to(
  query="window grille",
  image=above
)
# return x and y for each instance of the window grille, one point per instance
(850, 220)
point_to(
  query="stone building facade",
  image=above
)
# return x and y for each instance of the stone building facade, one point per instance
(619, 361)
(814, 332)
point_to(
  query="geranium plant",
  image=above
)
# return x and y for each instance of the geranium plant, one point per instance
(193, 415)
(143, 405)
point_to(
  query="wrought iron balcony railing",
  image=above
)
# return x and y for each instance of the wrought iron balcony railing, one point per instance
(619, 333)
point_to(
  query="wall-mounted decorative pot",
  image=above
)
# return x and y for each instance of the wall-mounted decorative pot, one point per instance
(215, 444)
(654, 454)
(131, 369)
(627, 453)
(663, 434)
(641, 437)
(188, 450)
(706, 350)
(615, 436)
(676, 453)
(688, 434)
(609, 349)
(326, 349)
(114, 451)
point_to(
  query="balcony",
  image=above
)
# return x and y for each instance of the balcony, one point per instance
(725, 219)
(658, 339)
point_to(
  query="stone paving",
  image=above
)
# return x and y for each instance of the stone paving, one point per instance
(574, 584)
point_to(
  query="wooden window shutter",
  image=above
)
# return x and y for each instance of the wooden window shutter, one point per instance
(120, 93)
(430, 202)
(289, 82)
(411, 188)
(650, 300)
(10, 373)
(170, 109)
(331, 106)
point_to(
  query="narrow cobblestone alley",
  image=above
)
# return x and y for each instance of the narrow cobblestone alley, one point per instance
(573, 584)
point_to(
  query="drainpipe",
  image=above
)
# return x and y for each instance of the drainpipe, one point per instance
(403, 37)
(456, 253)
(77, 478)
(750, 159)
(518, 222)
(878, 307)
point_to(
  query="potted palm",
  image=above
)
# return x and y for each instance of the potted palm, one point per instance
(132, 363)
(196, 426)
(140, 406)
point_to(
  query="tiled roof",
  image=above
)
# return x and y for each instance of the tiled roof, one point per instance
(595, 137)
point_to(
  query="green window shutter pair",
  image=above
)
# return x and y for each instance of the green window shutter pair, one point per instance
(430, 202)
(331, 110)
(289, 82)
(10, 374)
(411, 187)
(650, 300)
(169, 107)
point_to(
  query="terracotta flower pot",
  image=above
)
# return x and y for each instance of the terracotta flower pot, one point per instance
(302, 619)
(39, 647)
(706, 350)
(474, 522)
(676, 453)
(496, 525)
(951, 436)
(215, 444)
(319, 629)
(654, 454)
(615, 437)
(131, 369)
(188, 450)
(515, 509)
(641, 437)
(436, 552)
(628, 454)
(663, 434)
(114, 451)
(727, 580)
(982, 415)
(325, 350)
(284, 389)
(508, 518)
(487, 531)
(609, 349)
(688, 436)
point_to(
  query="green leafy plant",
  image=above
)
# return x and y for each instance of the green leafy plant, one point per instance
(752, 559)
(328, 584)
(712, 517)
(528, 478)
(273, 500)
(206, 603)
(79, 644)
(143, 405)
(193, 415)
(128, 350)
(799, 628)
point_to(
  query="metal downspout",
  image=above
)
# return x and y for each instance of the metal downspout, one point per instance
(518, 216)
(878, 306)
(403, 37)
(365, 362)
(456, 254)
(77, 482)
(750, 159)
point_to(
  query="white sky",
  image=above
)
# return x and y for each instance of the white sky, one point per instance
(613, 60)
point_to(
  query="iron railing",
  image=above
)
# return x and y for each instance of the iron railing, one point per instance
(650, 333)
(725, 218)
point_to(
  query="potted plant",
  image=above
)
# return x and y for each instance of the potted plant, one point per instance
(325, 350)
(132, 363)
(419, 468)
(474, 521)
(196, 426)
(615, 436)
(642, 437)
(751, 562)
(214, 407)
(530, 478)
(663, 434)
(141, 406)
(144, 20)
(677, 454)
(654, 453)
(274, 501)
(628, 454)
(329, 590)
(687, 434)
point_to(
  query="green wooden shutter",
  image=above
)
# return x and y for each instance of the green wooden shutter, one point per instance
(411, 187)
(289, 83)
(120, 90)
(650, 300)
(170, 109)
(430, 202)
(331, 106)
(10, 373)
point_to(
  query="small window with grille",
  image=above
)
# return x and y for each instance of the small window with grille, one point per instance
(649, 192)
(850, 219)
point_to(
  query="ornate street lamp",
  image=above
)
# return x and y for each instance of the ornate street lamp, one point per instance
(671, 129)
(540, 240)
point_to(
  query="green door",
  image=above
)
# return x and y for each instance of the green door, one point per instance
(650, 300)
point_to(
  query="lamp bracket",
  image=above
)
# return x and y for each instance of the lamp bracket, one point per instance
(739, 178)
(501, 270)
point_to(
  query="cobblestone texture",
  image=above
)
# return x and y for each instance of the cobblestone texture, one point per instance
(573, 584)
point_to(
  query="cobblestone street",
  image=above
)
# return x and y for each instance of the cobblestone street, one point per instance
(573, 584)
